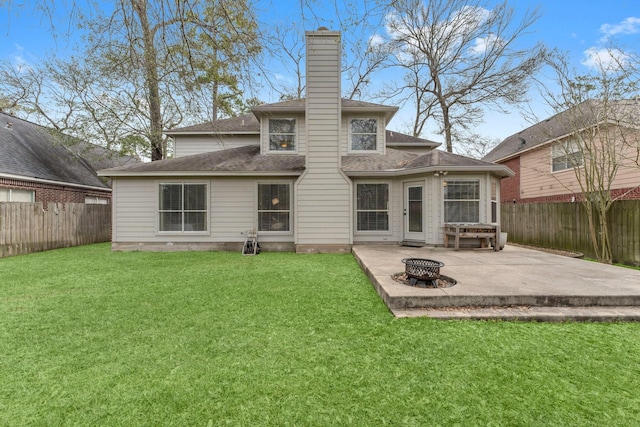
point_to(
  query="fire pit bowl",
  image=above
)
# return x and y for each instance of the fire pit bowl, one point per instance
(423, 270)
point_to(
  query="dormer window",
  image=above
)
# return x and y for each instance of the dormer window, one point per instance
(282, 134)
(364, 134)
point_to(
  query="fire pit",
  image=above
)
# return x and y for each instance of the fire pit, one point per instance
(422, 270)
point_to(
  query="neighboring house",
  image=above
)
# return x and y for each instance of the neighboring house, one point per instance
(543, 156)
(35, 166)
(311, 175)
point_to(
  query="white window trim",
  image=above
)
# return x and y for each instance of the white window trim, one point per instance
(479, 199)
(207, 220)
(389, 209)
(296, 136)
(350, 149)
(289, 232)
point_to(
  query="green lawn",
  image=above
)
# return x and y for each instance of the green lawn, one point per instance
(90, 337)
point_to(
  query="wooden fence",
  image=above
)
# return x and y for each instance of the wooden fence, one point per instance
(35, 227)
(565, 226)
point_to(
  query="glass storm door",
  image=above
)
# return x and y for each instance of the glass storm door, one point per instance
(414, 212)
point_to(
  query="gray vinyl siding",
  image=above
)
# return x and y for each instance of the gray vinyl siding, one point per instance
(134, 210)
(323, 193)
(232, 211)
(187, 145)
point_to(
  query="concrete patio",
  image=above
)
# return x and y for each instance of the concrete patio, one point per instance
(515, 283)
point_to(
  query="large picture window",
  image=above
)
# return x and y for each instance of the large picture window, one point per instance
(182, 207)
(364, 134)
(274, 207)
(566, 155)
(372, 207)
(282, 134)
(462, 201)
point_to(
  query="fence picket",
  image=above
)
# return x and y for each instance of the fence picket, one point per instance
(565, 226)
(29, 227)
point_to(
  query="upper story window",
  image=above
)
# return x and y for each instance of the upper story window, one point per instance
(182, 207)
(566, 155)
(282, 134)
(364, 134)
(462, 201)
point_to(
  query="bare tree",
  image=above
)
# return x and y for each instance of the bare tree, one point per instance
(144, 66)
(460, 56)
(362, 57)
(599, 112)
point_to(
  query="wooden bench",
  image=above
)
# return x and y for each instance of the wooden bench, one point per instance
(484, 232)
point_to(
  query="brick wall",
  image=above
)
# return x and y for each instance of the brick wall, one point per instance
(510, 187)
(54, 193)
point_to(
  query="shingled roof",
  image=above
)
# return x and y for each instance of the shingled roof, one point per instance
(31, 151)
(397, 162)
(582, 116)
(248, 161)
(245, 160)
(245, 123)
(249, 124)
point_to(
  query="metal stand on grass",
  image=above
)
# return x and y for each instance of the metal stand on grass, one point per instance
(251, 246)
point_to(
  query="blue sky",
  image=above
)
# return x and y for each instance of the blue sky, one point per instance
(580, 27)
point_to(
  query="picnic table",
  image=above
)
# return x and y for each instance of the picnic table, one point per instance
(484, 232)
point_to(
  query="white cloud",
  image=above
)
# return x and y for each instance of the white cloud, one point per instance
(482, 44)
(630, 25)
(376, 40)
(605, 58)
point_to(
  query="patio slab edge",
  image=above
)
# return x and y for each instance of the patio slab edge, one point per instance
(528, 314)
(537, 304)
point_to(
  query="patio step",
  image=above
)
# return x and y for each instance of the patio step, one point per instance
(526, 313)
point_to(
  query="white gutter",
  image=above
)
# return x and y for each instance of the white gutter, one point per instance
(199, 173)
(51, 182)
(503, 170)
(212, 132)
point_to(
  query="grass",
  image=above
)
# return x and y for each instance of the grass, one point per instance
(91, 337)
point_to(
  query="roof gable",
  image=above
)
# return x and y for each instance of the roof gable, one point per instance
(565, 123)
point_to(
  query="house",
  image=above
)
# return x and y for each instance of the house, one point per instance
(544, 155)
(36, 166)
(318, 174)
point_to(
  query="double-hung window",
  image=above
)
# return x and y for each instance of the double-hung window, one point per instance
(182, 207)
(282, 134)
(364, 134)
(372, 207)
(462, 201)
(566, 155)
(274, 207)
